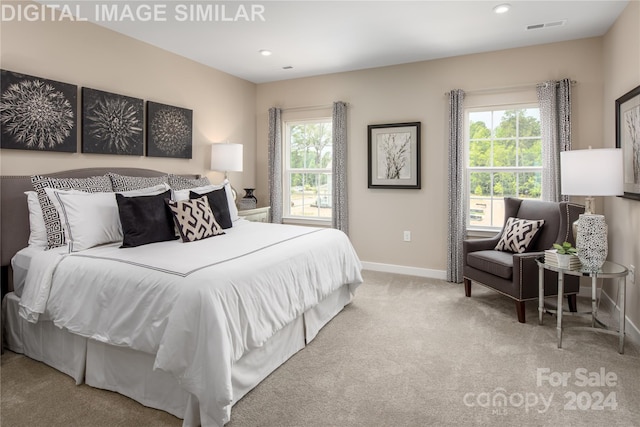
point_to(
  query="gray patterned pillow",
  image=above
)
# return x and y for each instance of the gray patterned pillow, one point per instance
(181, 183)
(518, 234)
(128, 183)
(53, 226)
(194, 218)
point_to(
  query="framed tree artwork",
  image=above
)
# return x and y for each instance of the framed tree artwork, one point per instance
(111, 123)
(169, 131)
(38, 114)
(394, 155)
(628, 139)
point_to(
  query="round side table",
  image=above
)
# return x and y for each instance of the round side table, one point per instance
(609, 270)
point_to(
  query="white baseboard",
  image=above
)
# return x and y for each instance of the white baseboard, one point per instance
(631, 331)
(402, 269)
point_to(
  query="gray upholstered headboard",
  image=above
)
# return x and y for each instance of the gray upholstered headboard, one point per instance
(14, 214)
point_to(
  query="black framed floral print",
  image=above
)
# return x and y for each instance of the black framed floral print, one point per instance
(111, 123)
(169, 131)
(37, 114)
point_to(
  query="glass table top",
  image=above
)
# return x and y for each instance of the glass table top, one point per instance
(608, 269)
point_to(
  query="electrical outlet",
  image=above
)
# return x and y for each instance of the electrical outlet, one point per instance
(407, 236)
(632, 274)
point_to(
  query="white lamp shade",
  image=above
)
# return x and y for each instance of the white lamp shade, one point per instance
(593, 172)
(226, 157)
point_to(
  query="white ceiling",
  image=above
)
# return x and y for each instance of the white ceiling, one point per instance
(320, 37)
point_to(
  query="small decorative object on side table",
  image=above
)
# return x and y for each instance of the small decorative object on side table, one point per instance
(565, 256)
(609, 270)
(249, 201)
(255, 215)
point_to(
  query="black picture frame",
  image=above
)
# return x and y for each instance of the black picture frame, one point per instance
(112, 123)
(169, 131)
(394, 155)
(37, 114)
(628, 139)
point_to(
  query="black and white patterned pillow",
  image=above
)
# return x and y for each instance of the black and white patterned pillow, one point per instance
(518, 234)
(53, 226)
(194, 218)
(181, 183)
(128, 183)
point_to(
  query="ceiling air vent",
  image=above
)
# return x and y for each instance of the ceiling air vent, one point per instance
(547, 25)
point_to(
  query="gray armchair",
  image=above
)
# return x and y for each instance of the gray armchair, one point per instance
(516, 274)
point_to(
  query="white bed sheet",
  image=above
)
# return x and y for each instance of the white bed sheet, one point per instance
(20, 265)
(130, 372)
(190, 304)
(43, 341)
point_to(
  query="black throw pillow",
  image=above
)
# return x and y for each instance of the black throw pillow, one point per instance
(219, 206)
(145, 219)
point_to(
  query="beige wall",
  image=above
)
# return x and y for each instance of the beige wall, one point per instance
(90, 56)
(621, 65)
(415, 92)
(228, 108)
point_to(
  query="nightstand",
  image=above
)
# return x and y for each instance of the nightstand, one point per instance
(609, 270)
(256, 215)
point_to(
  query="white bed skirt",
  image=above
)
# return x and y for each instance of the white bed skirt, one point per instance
(131, 373)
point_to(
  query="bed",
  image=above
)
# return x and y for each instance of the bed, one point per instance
(188, 328)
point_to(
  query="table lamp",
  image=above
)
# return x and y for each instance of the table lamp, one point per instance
(589, 173)
(226, 157)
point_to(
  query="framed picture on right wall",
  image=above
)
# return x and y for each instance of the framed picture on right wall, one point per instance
(628, 138)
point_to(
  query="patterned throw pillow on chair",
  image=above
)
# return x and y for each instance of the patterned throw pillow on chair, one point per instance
(194, 218)
(518, 234)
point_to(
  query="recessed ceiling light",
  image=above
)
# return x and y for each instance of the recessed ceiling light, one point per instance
(502, 8)
(264, 52)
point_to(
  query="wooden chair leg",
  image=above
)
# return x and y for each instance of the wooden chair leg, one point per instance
(520, 311)
(573, 302)
(467, 287)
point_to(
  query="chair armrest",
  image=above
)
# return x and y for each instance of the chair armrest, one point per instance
(525, 272)
(527, 255)
(474, 245)
(525, 266)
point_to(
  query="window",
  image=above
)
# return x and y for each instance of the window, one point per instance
(504, 159)
(307, 169)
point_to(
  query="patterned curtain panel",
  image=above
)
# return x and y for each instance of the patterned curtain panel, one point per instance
(275, 164)
(555, 116)
(339, 165)
(457, 198)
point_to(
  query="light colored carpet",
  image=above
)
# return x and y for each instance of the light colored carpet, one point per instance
(407, 352)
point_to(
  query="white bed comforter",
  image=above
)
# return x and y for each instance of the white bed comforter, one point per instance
(197, 306)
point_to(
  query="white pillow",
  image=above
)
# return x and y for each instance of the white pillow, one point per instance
(88, 219)
(179, 195)
(148, 191)
(92, 219)
(38, 234)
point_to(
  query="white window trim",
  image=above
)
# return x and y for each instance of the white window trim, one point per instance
(489, 231)
(287, 218)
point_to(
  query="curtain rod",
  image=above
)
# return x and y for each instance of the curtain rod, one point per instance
(311, 107)
(507, 88)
